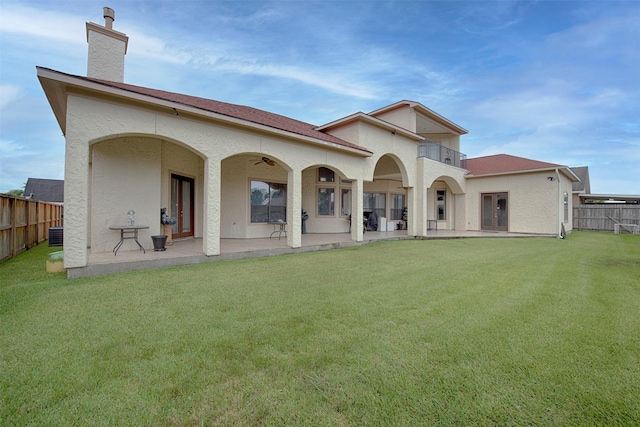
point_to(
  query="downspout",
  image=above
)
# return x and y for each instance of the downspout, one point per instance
(560, 206)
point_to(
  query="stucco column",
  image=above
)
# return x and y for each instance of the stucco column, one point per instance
(211, 226)
(411, 202)
(294, 208)
(357, 210)
(460, 212)
(420, 202)
(76, 200)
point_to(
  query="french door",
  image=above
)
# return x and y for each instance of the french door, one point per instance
(182, 203)
(495, 215)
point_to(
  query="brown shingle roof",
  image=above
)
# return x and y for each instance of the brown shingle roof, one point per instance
(242, 112)
(504, 163)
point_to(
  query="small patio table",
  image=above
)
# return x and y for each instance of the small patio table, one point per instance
(279, 227)
(127, 232)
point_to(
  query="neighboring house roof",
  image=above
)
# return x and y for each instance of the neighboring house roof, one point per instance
(500, 164)
(247, 115)
(46, 190)
(582, 186)
(610, 198)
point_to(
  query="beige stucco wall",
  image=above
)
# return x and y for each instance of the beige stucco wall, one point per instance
(535, 202)
(404, 117)
(125, 176)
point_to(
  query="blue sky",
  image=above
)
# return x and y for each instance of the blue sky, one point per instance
(557, 81)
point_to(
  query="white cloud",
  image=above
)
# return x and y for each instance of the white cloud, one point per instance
(327, 80)
(599, 36)
(155, 48)
(8, 94)
(40, 23)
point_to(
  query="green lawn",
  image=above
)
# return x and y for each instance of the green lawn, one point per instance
(453, 332)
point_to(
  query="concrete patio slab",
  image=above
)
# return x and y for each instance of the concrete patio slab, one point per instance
(190, 251)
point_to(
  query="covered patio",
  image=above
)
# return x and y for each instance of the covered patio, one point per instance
(189, 251)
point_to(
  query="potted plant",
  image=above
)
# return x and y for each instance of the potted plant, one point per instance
(167, 224)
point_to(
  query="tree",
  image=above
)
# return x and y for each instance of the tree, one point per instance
(16, 192)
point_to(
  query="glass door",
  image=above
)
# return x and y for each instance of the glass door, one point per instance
(182, 202)
(495, 214)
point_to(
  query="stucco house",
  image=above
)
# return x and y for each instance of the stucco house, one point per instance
(231, 171)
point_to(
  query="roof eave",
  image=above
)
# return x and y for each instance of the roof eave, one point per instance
(571, 176)
(63, 80)
(55, 91)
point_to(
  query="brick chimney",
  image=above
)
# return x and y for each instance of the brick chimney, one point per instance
(107, 49)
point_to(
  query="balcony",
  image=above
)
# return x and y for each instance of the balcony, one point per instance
(434, 151)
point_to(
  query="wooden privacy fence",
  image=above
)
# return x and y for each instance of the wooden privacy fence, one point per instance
(25, 223)
(600, 217)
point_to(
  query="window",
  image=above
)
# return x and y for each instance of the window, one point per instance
(441, 205)
(345, 202)
(397, 205)
(268, 202)
(375, 202)
(326, 175)
(326, 201)
(566, 207)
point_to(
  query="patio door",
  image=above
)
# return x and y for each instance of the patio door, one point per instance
(495, 212)
(182, 203)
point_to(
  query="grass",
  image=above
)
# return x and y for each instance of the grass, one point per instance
(456, 332)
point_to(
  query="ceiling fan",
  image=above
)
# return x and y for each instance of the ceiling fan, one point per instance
(265, 160)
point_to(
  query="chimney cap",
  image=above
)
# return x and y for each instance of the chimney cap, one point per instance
(109, 17)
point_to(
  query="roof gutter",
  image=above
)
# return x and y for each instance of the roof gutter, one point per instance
(471, 175)
(560, 229)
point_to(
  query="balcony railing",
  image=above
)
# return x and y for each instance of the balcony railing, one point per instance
(434, 151)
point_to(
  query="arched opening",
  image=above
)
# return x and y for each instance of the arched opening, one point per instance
(385, 199)
(443, 195)
(326, 200)
(138, 173)
(253, 195)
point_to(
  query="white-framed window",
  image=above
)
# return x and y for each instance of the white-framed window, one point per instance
(326, 175)
(375, 202)
(268, 202)
(345, 201)
(397, 205)
(566, 207)
(326, 201)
